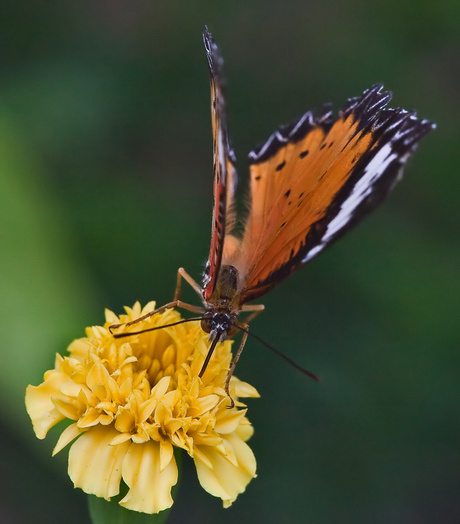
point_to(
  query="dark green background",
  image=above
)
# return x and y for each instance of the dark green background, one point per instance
(105, 176)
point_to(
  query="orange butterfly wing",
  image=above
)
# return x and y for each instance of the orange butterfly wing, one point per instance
(225, 179)
(313, 180)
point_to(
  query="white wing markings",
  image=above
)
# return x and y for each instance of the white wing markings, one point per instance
(363, 188)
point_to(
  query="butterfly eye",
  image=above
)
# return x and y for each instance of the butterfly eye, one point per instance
(207, 322)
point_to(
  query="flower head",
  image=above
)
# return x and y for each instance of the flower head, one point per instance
(133, 400)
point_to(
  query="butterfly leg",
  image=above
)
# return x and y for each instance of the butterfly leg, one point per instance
(256, 310)
(170, 305)
(182, 274)
(245, 328)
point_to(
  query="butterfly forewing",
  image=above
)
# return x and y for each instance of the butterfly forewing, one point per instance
(313, 180)
(224, 181)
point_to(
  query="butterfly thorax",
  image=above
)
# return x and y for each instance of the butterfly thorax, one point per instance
(223, 306)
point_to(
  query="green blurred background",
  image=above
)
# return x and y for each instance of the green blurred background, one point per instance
(105, 177)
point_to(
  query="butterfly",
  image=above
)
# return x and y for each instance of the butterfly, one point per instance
(310, 182)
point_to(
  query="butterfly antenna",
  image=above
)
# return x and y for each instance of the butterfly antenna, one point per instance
(282, 355)
(122, 335)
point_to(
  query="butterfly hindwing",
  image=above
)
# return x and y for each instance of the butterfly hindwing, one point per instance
(224, 173)
(313, 180)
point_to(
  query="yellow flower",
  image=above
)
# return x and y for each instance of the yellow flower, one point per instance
(133, 400)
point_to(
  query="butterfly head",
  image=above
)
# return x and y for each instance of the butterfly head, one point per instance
(219, 324)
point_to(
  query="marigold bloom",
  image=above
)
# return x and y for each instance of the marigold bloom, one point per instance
(134, 399)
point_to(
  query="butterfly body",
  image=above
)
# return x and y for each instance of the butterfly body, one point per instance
(310, 182)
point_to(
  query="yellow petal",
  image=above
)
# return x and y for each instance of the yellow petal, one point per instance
(161, 388)
(79, 349)
(125, 421)
(126, 387)
(70, 388)
(69, 407)
(245, 431)
(168, 357)
(70, 432)
(120, 438)
(224, 479)
(150, 488)
(201, 405)
(204, 439)
(162, 414)
(110, 317)
(226, 449)
(243, 389)
(95, 465)
(41, 410)
(168, 371)
(141, 435)
(93, 417)
(198, 455)
(97, 381)
(229, 420)
(174, 425)
(170, 399)
(149, 307)
(135, 311)
(166, 453)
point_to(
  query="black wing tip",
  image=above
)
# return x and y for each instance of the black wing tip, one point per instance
(366, 108)
(215, 60)
(370, 111)
(402, 128)
(409, 134)
(208, 39)
(371, 97)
